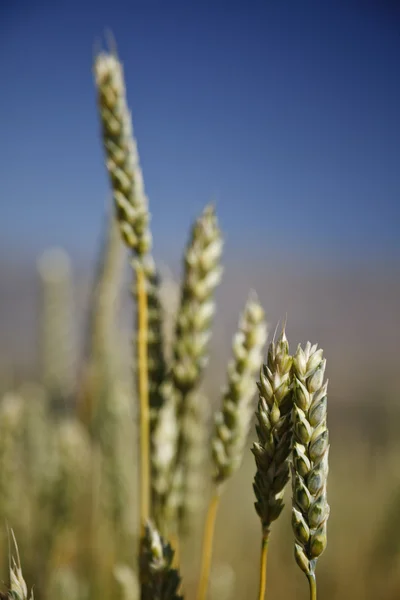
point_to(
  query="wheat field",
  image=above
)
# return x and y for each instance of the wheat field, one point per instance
(129, 437)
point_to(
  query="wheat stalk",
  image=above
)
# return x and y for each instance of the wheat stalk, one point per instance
(232, 423)
(310, 460)
(271, 451)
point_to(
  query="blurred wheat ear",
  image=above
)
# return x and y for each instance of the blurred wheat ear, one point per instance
(310, 460)
(102, 359)
(272, 450)
(57, 334)
(232, 423)
(190, 349)
(18, 589)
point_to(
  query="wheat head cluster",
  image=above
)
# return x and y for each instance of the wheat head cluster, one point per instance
(74, 444)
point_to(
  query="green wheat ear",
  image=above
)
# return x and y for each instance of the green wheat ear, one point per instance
(159, 580)
(274, 432)
(310, 460)
(272, 450)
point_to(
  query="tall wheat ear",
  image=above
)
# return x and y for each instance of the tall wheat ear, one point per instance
(310, 510)
(232, 422)
(272, 450)
(131, 204)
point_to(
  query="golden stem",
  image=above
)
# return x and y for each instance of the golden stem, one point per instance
(208, 545)
(313, 586)
(143, 387)
(263, 565)
(174, 541)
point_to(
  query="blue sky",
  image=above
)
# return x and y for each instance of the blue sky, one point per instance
(286, 112)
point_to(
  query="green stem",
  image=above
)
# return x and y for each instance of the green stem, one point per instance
(313, 586)
(263, 565)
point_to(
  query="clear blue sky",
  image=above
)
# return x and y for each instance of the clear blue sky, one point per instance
(288, 112)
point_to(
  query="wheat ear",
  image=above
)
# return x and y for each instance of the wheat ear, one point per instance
(310, 460)
(202, 273)
(193, 327)
(122, 158)
(272, 450)
(101, 344)
(131, 204)
(126, 178)
(18, 588)
(56, 322)
(232, 423)
(159, 581)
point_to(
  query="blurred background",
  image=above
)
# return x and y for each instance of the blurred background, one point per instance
(286, 115)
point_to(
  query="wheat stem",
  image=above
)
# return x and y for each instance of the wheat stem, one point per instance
(175, 545)
(313, 586)
(263, 565)
(208, 544)
(143, 385)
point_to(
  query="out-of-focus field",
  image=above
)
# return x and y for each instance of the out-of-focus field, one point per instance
(70, 537)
